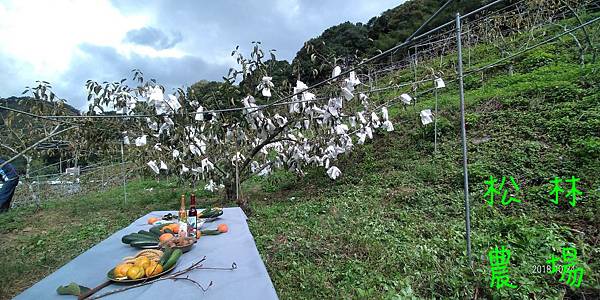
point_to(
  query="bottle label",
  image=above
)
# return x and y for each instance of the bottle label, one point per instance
(183, 227)
(192, 222)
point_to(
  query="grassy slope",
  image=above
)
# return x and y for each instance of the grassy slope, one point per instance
(393, 225)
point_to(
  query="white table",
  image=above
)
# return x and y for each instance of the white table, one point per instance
(249, 281)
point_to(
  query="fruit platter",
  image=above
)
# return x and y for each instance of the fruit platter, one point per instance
(175, 235)
(146, 264)
(161, 241)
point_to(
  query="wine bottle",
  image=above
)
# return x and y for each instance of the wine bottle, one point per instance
(192, 216)
(182, 212)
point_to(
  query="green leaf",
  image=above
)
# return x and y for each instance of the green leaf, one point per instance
(72, 289)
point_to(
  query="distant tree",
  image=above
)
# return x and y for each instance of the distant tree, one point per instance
(397, 24)
(213, 94)
(338, 45)
(23, 135)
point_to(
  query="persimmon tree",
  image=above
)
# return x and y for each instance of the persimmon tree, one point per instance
(224, 141)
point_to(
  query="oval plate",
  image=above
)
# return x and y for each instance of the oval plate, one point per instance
(111, 276)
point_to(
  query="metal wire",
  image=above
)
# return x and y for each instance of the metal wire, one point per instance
(56, 118)
(278, 102)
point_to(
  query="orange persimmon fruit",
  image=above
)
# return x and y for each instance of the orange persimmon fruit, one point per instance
(222, 228)
(174, 227)
(165, 237)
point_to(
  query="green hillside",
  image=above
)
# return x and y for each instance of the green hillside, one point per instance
(394, 224)
(348, 43)
(392, 227)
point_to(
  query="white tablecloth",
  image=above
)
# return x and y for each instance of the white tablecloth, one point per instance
(249, 281)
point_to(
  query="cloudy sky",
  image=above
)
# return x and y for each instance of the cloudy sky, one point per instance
(68, 42)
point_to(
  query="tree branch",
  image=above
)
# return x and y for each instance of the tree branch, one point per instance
(261, 145)
(587, 36)
(220, 170)
(9, 148)
(53, 133)
(257, 171)
(284, 139)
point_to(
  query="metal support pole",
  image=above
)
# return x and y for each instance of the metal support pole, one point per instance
(237, 170)
(464, 139)
(38, 187)
(435, 116)
(123, 174)
(415, 63)
(237, 180)
(370, 80)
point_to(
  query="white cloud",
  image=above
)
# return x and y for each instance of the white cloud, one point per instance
(43, 35)
(288, 8)
(69, 41)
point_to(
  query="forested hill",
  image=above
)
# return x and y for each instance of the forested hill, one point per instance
(346, 43)
(26, 104)
(18, 123)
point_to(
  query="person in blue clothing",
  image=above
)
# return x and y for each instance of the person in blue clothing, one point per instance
(10, 179)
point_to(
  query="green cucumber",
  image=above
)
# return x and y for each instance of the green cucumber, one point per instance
(146, 233)
(210, 232)
(139, 236)
(126, 239)
(166, 255)
(155, 230)
(172, 259)
(141, 243)
(211, 213)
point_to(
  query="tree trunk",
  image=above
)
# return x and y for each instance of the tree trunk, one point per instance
(230, 196)
(36, 200)
(229, 191)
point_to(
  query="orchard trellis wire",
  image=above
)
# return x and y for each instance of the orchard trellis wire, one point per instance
(429, 56)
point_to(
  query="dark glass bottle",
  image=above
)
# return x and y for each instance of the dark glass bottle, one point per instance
(192, 216)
